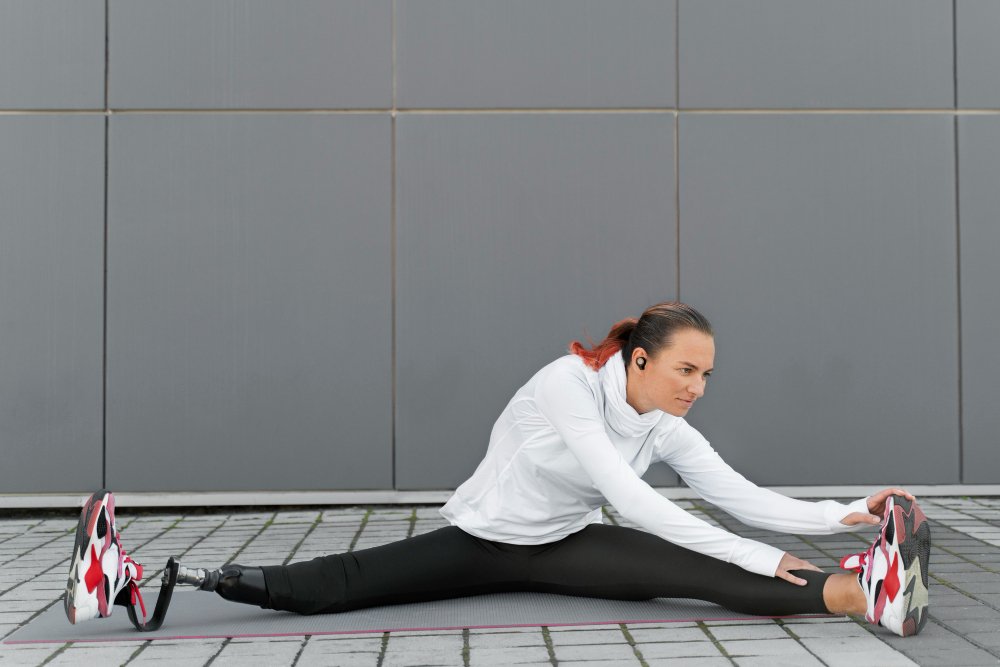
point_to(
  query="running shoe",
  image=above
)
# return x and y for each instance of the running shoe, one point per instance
(893, 571)
(101, 574)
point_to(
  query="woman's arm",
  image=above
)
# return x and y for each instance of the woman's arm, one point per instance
(702, 469)
(568, 403)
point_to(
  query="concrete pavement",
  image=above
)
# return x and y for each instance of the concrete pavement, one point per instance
(964, 626)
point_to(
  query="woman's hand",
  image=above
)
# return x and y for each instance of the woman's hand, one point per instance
(876, 505)
(790, 562)
(876, 502)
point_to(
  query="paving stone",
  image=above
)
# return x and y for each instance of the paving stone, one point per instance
(851, 651)
(163, 653)
(990, 640)
(27, 655)
(749, 632)
(668, 634)
(15, 616)
(438, 658)
(679, 649)
(312, 658)
(966, 611)
(828, 630)
(22, 605)
(95, 655)
(778, 661)
(689, 662)
(578, 637)
(973, 626)
(420, 639)
(620, 651)
(480, 640)
(258, 652)
(426, 651)
(511, 655)
(769, 647)
(978, 575)
(632, 662)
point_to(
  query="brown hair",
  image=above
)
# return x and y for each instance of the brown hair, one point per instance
(653, 331)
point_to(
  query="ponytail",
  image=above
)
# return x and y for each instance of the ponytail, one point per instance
(599, 354)
(653, 331)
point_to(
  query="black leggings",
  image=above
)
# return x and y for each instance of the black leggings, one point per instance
(599, 561)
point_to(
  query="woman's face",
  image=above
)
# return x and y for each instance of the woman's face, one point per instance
(675, 378)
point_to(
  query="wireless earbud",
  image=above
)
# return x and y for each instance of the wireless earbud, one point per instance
(641, 363)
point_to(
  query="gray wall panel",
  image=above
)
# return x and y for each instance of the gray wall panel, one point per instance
(823, 249)
(523, 53)
(51, 296)
(251, 53)
(979, 164)
(977, 22)
(515, 234)
(52, 54)
(815, 54)
(249, 302)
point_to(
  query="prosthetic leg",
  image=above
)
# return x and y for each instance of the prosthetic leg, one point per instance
(127, 600)
(237, 583)
(233, 582)
(102, 574)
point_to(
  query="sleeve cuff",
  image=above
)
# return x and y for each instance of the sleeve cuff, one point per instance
(836, 511)
(757, 557)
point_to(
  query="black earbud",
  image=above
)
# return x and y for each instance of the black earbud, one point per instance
(640, 362)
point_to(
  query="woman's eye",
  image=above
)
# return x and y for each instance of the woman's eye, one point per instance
(685, 371)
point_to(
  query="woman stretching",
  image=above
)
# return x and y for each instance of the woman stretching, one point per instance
(577, 436)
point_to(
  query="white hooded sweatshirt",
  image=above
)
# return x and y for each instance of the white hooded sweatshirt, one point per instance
(568, 443)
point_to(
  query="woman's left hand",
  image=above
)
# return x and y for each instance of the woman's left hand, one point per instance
(789, 563)
(876, 505)
(876, 502)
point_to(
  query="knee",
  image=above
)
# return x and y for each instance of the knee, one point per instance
(247, 585)
(310, 587)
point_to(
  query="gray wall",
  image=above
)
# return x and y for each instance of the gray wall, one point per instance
(251, 245)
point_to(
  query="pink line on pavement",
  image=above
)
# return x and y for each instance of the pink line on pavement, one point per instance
(143, 637)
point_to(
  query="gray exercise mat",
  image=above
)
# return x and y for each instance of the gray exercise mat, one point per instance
(196, 615)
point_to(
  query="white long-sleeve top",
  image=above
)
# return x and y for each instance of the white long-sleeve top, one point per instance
(568, 443)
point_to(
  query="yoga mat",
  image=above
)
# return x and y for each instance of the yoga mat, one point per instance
(199, 615)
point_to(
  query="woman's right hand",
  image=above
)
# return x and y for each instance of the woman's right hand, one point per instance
(789, 562)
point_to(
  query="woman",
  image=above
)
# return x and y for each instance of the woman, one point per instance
(578, 435)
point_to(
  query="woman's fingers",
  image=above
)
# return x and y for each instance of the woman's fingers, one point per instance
(855, 518)
(790, 562)
(876, 502)
(791, 578)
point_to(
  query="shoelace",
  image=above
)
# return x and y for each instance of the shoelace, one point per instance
(855, 562)
(133, 587)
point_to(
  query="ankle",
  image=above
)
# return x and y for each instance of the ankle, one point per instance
(206, 580)
(843, 595)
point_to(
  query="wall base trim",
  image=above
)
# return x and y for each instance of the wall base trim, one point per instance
(388, 497)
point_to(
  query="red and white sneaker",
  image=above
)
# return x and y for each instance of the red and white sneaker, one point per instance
(893, 571)
(101, 574)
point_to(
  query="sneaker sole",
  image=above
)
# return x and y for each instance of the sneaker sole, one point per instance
(79, 603)
(914, 541)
